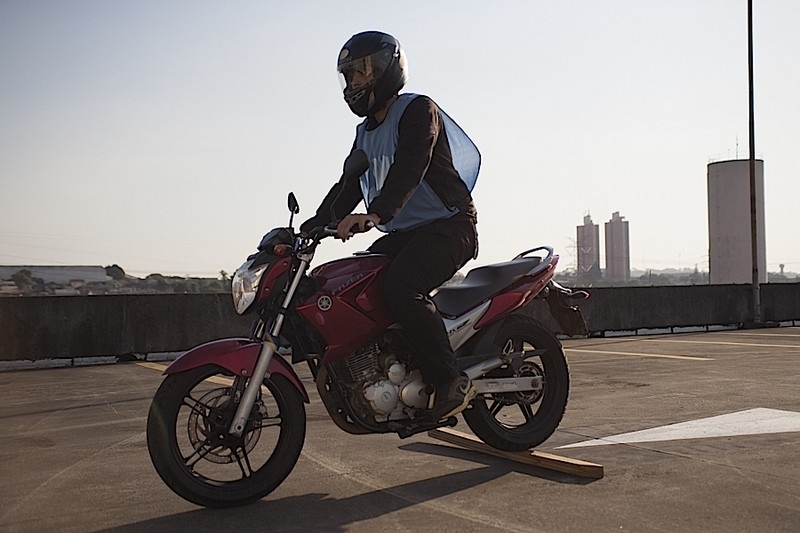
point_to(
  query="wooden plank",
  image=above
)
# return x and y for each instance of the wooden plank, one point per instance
(558, 463)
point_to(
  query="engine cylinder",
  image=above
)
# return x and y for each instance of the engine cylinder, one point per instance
(397, 373)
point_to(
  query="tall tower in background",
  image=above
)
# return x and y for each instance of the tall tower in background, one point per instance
(729, 232)
(618, 251)
(588, 246)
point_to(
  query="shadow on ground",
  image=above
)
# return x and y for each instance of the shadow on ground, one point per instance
(322, 512)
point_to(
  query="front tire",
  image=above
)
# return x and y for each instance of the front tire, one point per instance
(522, 420)
(192, 452)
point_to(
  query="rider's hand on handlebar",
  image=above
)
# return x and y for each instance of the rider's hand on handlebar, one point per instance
(356, 223)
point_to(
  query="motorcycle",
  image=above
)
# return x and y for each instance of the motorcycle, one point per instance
(228, 422)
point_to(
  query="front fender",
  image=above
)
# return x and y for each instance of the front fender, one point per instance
(237, 355)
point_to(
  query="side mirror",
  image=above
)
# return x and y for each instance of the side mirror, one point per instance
(294, 207)
(355, 165)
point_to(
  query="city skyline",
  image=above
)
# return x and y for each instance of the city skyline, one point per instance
(618, 250)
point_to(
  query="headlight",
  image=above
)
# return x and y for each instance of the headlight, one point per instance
(244, 286)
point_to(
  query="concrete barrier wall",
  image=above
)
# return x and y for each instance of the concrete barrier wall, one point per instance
(85, 326)
(780, 301)
(78, 326)
(631, 308)
(653, 308)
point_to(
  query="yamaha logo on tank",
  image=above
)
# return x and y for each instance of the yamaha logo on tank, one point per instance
(324, 303)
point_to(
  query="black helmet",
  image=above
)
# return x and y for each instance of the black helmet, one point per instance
(381, 63)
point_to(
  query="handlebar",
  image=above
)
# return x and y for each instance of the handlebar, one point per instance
(327, 231)
(322, 232)
(310, 241)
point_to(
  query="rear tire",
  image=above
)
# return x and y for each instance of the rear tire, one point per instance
(190, 448)
(522, 420)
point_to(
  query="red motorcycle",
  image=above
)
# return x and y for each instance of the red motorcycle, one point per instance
(228, 422)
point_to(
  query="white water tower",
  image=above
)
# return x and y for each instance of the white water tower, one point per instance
(729, 228)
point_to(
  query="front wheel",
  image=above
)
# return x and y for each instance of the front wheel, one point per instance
(189, 444)
(515, 421)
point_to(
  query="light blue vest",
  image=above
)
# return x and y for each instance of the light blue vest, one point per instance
(380, 146)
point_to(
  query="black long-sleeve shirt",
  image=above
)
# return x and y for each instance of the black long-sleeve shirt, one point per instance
(423, 153)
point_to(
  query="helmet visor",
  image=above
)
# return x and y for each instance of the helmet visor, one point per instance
(357, 73)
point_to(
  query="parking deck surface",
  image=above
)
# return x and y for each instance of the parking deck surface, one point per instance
(73, 453)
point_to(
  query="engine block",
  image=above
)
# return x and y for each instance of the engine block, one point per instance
(363, 364)
(384, 385)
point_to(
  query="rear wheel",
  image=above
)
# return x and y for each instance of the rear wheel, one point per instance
(522, 420)
(189, 444)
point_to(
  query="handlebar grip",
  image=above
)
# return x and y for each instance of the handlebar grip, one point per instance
(368, 226)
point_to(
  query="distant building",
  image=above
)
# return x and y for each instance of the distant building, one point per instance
(588, 246)
(62, 275)
(8, 288)
(729, 227)
(618, 251)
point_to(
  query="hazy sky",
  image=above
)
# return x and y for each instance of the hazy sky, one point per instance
(165, 135)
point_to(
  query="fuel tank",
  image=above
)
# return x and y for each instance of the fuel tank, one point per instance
(348, 309)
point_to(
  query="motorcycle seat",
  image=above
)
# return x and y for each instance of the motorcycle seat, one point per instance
(481, 283)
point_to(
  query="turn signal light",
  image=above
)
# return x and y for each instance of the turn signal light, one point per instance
(282, 249)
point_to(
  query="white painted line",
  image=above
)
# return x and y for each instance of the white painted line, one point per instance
(759, 421)
(744, 334)
(727, 343)
(637, 354)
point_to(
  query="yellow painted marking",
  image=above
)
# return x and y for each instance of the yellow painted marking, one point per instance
(638, 354)
(153, 366)
(213, 379)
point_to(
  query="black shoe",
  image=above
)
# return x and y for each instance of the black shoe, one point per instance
(453, 397)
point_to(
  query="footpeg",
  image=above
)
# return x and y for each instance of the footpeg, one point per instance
(425, 425)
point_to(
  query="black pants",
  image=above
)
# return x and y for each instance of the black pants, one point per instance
(421, 260)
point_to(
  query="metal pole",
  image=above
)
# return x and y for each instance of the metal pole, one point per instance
(753, 202)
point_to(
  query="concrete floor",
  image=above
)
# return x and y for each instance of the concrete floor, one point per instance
(73, 455)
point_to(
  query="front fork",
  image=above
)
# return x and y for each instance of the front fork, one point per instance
(268, 350)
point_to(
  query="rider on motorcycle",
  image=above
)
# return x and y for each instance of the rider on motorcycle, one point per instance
(417, 191)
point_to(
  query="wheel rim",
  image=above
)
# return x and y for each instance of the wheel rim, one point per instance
(516, 411)
(206, 450)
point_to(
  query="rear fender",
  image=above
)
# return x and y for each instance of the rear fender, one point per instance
(237, 355)
(518, 295)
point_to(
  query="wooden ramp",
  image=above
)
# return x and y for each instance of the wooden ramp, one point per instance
(566, 465)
